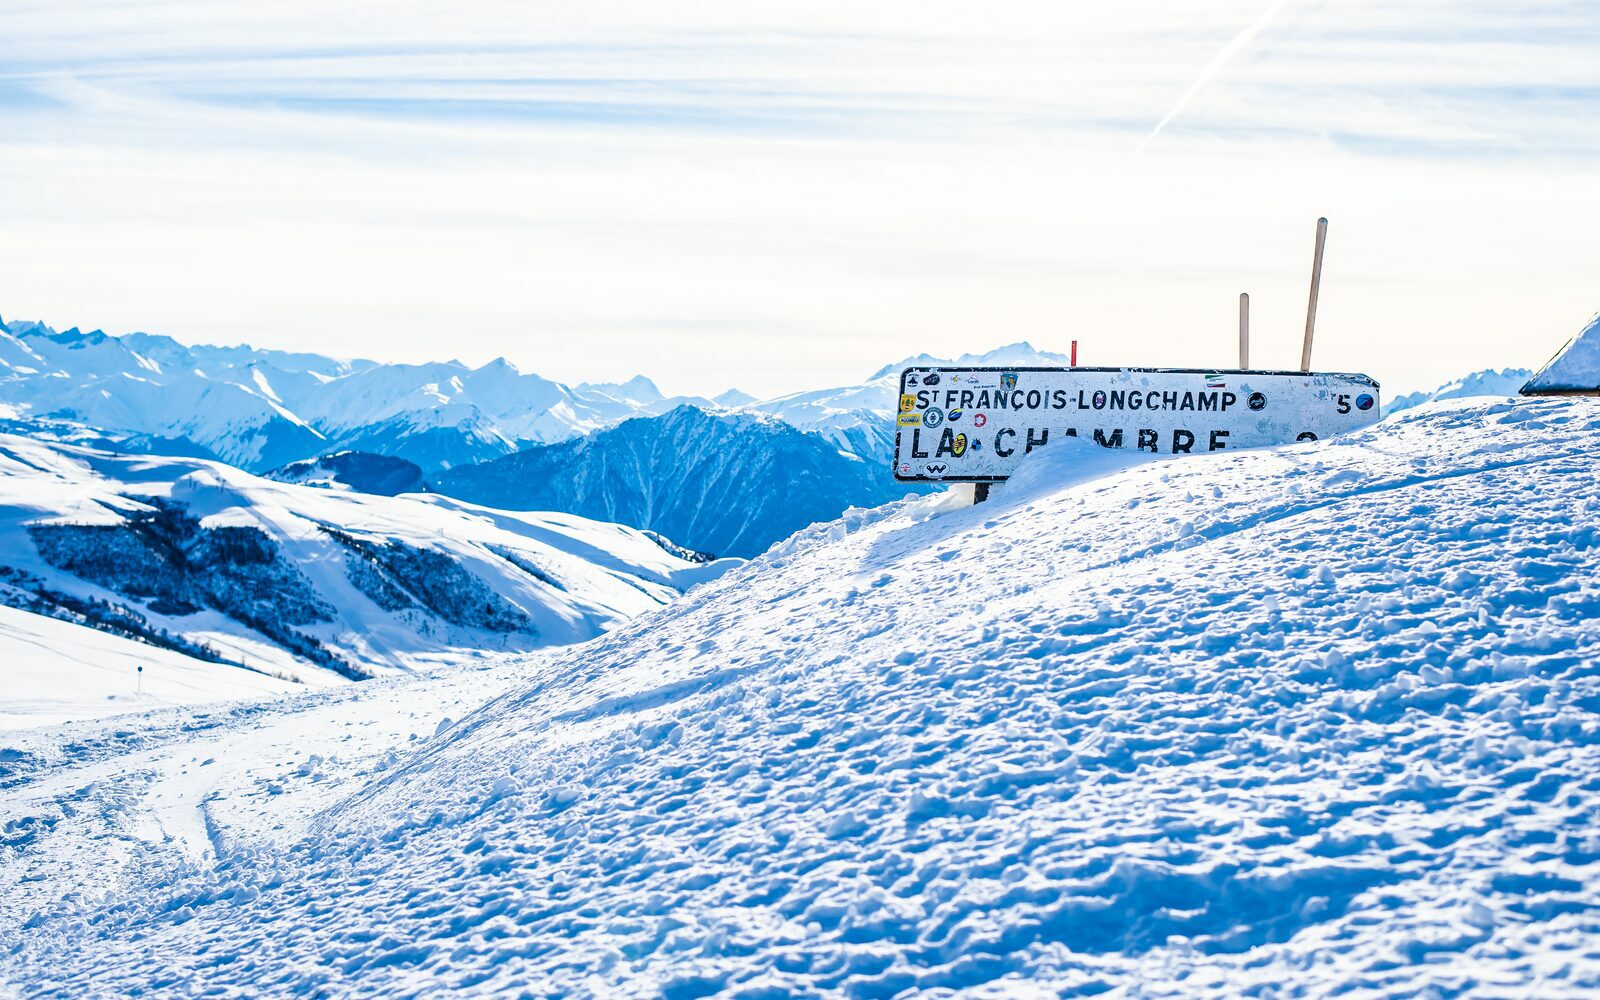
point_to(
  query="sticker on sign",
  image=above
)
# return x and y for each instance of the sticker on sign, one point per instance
(975, 424)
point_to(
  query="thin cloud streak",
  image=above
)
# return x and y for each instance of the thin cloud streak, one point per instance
(1221, 59)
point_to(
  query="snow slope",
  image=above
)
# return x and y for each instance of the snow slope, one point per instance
(305, 583)
(58, 672)
(1312, 720)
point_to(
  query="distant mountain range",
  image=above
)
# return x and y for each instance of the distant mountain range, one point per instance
(728, 475)
(1506, 382)
(260, 409)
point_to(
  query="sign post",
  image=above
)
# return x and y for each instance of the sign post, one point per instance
(1316, 287)
(973, 425)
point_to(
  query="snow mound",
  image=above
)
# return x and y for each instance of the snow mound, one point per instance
(1312, 720)
(1574, 369)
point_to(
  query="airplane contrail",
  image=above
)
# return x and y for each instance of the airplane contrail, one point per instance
(1228, 51)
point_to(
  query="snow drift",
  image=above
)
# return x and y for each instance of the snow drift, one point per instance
(1293, 722)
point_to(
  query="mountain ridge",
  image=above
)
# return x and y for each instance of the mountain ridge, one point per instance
(728, 483)
(260, 408)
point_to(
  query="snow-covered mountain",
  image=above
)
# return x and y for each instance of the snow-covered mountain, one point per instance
(305, 583)
(104, 382)
(1310, 721)
(1488, 382)
(260, 409)
(272, 410)
(1021, 353)
(717, 482)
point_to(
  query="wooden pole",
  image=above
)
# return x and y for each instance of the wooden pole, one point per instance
(1316, 284)
(1244, 330)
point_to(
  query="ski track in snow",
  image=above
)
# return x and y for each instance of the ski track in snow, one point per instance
(1289, 723)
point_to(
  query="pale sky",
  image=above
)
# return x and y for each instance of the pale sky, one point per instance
(787, 196)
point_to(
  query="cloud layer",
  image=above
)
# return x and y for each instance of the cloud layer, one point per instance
(785, 196)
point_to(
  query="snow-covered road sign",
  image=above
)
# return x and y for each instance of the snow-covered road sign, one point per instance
(976, 424)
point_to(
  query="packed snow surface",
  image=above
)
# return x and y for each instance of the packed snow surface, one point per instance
(1317, 719)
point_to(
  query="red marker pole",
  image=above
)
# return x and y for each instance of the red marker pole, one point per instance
(1074, 354)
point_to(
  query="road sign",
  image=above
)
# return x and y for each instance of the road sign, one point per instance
(973, 425)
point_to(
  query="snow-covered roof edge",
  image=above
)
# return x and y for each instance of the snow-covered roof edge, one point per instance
(1575, 370)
